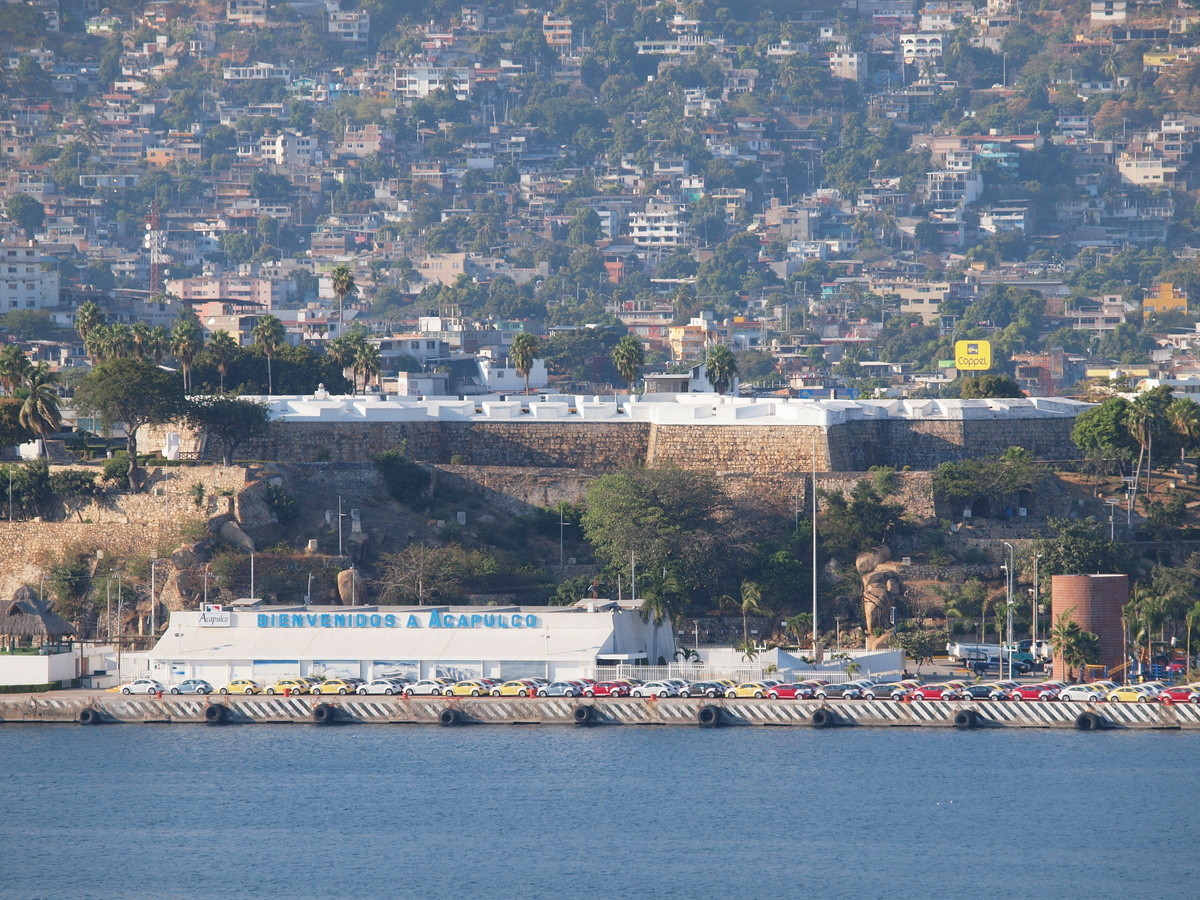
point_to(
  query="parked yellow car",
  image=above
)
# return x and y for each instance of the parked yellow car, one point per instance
(515, 689)
(241, 686)
(1132, 693)
(749, 689)
(334, 686)
(294, 685)
(468, 689)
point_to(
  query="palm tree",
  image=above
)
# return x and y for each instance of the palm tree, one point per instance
(721, 367)
(629, 356)
(39, 414)
(1064, 636)
(14, 367)
(140, 333)
(342, 279)
(222, 348)
(270, 335)
(159, 343)
(523, 352)
(87, 317)
(751, 604)
(1184, 416)
(1146, 613)
(187, 340)
(367, 363)
(116, 341)
(342, 350)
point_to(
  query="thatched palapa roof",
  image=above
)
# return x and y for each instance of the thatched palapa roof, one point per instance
(27, 616)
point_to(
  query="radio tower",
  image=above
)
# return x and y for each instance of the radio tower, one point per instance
(156, 242)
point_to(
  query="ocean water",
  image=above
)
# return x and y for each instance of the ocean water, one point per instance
(532, 812)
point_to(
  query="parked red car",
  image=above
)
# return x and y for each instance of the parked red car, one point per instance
(1184, 693)
(607, 689)
(1035, 692)
(946, 690)
(792, 692)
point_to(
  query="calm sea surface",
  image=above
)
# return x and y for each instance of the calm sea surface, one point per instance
(524, 812)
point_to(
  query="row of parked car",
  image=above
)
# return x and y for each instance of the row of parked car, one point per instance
(812, 689)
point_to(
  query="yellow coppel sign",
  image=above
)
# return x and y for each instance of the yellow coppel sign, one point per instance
(973, 356)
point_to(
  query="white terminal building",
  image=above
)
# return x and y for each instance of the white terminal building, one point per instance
(460, 642)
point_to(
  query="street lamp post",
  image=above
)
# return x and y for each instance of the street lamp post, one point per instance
(153, 593)
(1037, 598)
(207, 575)
(1011, 566)
(1112, 519)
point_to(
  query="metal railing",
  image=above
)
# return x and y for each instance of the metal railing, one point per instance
(740, 674)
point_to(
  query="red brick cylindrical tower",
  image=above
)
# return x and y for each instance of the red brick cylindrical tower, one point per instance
(1095, 602)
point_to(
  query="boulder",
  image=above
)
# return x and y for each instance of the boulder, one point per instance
(232, 533)
(351, 587)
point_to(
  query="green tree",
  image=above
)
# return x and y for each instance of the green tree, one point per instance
(1184, 417)
(368, 363)
(229, 422)
(12, 432)
(87, 318)
(584, 227)
(750, 605)
(269, 334)
(1081, 547)
(223, 349)
(863, 522)
(1103, 432)
(187, 342)
(134, 393)
(422, 573)
(1077, 647)
(405, 480)
(982, 387)
(629, 356)
(27, 212)
(721, 367)
(28, 324)
(14, 367)
(921, 644)
(40, 414)
(523, 352)
(342, 280)
(663, 519)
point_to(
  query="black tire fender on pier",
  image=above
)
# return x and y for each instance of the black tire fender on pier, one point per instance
(1089, 721)
(324, 714)
(449, 717)
(966, 719)
(823, 718)
(583, 715)
(709, 716)
(215, 714)
(89, 716)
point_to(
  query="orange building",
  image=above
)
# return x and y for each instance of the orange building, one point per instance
(1164, 298)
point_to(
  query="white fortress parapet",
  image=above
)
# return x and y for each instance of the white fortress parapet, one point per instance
(659, 409)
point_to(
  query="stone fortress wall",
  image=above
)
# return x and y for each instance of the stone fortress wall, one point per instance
(754, 449)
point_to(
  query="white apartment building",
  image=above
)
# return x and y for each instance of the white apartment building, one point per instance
(948, 190)
(24, 283)
(350, 27)
(268, 293)
(922, 47)
(416, 82)
(847, 64)
(288, 149)
(660, 224)
(257, 72)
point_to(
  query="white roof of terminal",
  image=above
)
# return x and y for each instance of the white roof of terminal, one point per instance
(661, 409)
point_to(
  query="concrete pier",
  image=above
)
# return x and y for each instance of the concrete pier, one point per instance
(105, 708)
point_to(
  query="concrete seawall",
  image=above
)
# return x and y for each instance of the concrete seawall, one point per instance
(116, 708)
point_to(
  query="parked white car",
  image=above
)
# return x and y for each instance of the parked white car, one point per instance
(656, 689)
(427, 687)
(382, 686)
(1085, 693)
(143, 686)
